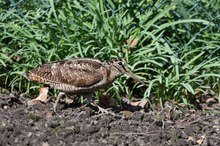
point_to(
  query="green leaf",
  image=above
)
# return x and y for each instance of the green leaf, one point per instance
(188, 87)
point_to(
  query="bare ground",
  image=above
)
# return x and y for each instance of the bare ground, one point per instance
(80, 125)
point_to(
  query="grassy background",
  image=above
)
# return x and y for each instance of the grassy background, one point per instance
(178, 42)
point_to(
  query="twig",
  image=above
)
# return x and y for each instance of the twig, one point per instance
(142, 133)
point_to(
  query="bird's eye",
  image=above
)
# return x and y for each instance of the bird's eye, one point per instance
(120, 63)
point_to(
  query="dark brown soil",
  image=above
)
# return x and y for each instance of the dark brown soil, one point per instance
(81, 125)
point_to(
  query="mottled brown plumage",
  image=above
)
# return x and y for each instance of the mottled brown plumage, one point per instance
(81, 75)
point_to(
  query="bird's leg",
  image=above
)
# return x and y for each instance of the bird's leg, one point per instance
(57, 100)
(88, 98)
(91, 102)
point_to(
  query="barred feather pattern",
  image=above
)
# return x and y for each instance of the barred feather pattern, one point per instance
(76, 75)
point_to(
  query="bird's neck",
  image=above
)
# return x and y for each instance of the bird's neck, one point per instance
(114, 73)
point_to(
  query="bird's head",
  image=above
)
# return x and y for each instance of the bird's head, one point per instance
(122, 68)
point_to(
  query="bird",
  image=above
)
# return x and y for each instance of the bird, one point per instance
(80, 76)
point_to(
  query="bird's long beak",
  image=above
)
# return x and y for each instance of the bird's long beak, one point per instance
(132, 75)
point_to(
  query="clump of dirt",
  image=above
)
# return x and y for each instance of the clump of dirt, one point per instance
(80, 125)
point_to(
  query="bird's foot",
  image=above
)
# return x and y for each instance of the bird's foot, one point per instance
(104, 111)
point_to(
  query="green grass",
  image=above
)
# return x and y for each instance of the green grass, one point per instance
(177, 54)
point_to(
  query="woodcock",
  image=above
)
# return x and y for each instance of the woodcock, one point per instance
(80, 76)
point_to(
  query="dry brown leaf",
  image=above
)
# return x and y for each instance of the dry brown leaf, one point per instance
(200, 141)
(45, 144)
(212, 100)
(192, 110)
(5, 107)
(132, 42)
(126, 114)
(141, 103)
(41, 98)
(43, 94)
(190, 138)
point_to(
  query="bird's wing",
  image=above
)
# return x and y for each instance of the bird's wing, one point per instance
(78, 73)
